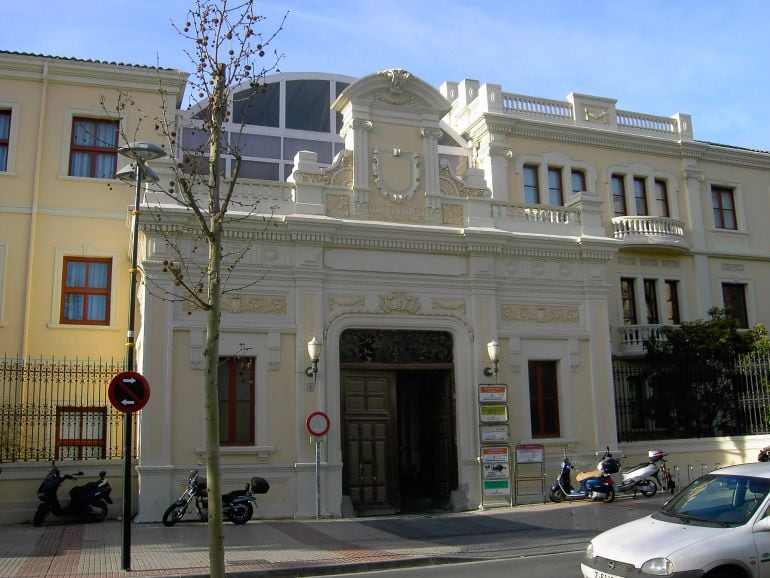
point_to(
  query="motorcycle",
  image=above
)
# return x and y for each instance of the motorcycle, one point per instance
(645, 477)
(594, 485)
(88, 502)
(764, 454)
(236, 505)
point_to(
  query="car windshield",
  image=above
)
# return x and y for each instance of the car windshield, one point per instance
(717, 500)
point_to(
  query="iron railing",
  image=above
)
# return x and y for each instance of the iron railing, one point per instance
(59, 409)
(695, 401)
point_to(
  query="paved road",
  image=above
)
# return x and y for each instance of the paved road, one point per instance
(299, 547)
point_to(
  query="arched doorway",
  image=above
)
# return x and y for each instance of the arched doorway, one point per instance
(398, 420)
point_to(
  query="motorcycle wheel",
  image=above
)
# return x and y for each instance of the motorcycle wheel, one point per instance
(609, 496)
(556, 495)
(96, 512)
(173, 514)
(648, 488)
(40, 515)
(240, 513)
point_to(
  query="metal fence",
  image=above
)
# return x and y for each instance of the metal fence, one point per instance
(59, 409)
(693, 401)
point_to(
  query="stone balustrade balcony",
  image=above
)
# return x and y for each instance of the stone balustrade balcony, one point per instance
(647, 231)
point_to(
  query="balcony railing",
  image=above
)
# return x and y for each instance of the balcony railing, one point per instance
(661, 232)
(632, 338)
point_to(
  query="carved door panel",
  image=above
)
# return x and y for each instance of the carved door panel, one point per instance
(369, 469)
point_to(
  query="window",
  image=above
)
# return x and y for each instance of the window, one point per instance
(661, 198)
(555, 195)
(672, 303)
(618, 196)
(94, 148)
(86, 291)
(259, 106)
(651, 301)
(531, 188)
(734, 297)
(723, 205)
(5, 138)
(81, 433)
(628, 297)
(640, 196)
(236, 400)
(307, 105)
(578, 181)
(543, 399)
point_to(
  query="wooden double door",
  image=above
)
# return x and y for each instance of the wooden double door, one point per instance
(399, 450)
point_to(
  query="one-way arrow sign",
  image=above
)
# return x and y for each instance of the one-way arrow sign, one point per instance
(128, 391)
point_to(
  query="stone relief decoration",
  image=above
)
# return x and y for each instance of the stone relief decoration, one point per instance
(340, 173)
(596, 114)
(345, 301)
(399, 302)
(338, 206)
(451, 186)
(249, 304)
(397, 161)
(540, 313)
(455, 307)
(452, 215)
(398, 78)
(732, 267)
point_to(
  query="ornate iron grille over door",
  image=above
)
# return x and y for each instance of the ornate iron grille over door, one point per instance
(395, 347)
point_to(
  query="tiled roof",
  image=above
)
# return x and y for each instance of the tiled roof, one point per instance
(82, 60)
(716, 144)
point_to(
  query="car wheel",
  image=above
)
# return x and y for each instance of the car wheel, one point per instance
(726, 573)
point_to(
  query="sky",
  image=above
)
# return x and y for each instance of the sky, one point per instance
(706, 58)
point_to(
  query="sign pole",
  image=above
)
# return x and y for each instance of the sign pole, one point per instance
(317, 425)
(317, 477)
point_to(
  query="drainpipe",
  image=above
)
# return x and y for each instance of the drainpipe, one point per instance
(33, 215)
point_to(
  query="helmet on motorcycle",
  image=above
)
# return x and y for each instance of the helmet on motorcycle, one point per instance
(655, 455)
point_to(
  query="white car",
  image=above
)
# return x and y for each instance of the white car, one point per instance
(717, 527)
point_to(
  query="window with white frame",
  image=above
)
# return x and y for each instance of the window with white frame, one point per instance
(639, 190)
(9, 120)
(5, 138)
(81, 433)
(734, 298)
(84, 285)
(545, 179)
(93, 148)
(660, 295)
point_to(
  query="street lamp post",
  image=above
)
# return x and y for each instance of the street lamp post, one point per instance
(135, 173)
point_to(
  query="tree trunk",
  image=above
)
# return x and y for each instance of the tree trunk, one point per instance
(216, 533)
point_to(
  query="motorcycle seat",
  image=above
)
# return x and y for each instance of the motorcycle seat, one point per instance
(585, 475)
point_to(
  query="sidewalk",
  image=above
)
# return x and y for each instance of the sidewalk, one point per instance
(312, 547)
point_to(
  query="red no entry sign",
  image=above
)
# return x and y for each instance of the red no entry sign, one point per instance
(128, 391)
(317, 423)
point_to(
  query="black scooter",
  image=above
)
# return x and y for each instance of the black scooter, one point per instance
(88, 503)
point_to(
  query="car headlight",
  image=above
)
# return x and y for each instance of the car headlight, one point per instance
(590, 551)
(658, 567)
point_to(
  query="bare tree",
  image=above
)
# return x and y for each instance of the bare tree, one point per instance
(227, 52)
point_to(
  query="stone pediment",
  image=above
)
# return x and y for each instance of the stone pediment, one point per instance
(395, 88)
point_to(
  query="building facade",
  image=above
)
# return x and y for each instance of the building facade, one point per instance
(408, 228)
